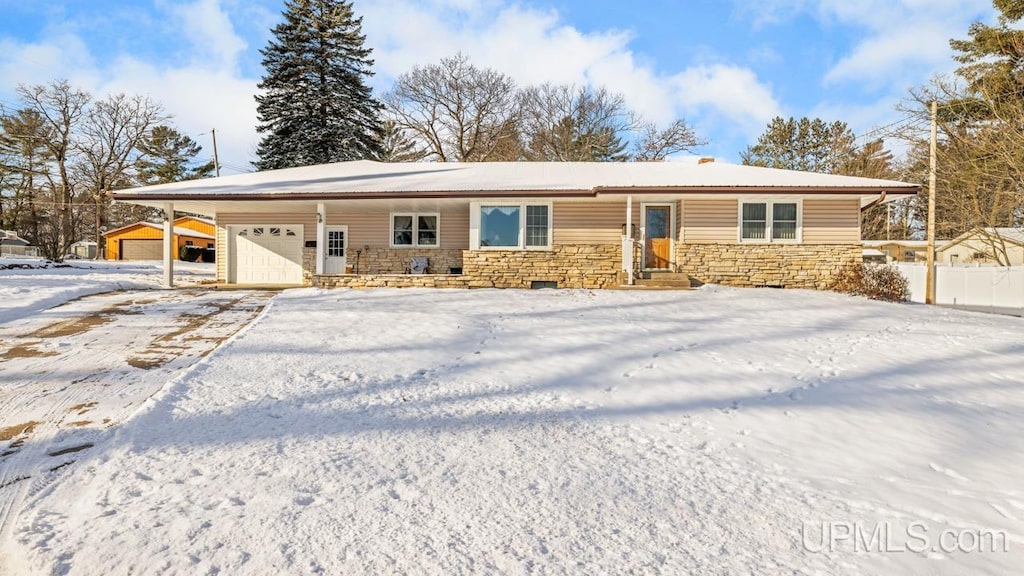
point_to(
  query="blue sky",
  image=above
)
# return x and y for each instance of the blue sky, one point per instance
(726, 66)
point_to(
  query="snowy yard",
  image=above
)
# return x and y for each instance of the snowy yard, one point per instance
(44, 284)
(418, 431)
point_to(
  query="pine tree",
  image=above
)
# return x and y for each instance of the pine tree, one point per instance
(167, 155)
(804, 144)
(316, 106)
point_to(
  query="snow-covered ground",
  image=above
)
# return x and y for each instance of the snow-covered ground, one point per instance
(419, 431)
(44, 284)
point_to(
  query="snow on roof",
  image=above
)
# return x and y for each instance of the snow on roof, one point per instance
(178, 230)
(904, 243)
(381, 179)
(1014, 235)
(872, 252)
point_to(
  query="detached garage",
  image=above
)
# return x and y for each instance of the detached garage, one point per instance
(144, 240)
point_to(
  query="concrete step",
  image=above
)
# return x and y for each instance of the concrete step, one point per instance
(680, 281)
(663, 275)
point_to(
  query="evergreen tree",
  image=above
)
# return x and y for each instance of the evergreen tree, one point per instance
(804, 144)
(993, 57)
(397, 146)
(315, 105)
(167, 155)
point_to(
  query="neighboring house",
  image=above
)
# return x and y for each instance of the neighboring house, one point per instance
(986, 246)
(902, 250)
(144, 240)
(528, 223)
(13, 245)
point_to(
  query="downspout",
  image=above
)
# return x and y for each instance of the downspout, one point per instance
(875, 202)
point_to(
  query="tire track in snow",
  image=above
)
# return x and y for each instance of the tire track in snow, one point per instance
(76, 370)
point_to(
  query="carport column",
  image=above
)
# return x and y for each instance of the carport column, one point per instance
(168, 245)
(627, 242)
(321, 237)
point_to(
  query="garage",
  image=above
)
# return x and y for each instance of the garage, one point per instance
(142, 249)
(266, 254)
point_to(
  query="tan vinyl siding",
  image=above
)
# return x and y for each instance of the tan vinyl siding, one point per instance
(373, 229)
(590, 223)
(455, 228)
(711, 221)
(830, 221)
(364, 228)
(679, 220)
(222, 252)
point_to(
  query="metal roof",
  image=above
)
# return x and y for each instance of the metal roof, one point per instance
(368, 179)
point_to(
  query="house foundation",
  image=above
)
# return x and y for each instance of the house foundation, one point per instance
(777, 265)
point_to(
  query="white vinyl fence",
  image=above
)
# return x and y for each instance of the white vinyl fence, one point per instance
(999, 288)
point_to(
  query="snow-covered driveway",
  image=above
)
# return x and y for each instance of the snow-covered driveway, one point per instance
(71, 372)
(455, 432)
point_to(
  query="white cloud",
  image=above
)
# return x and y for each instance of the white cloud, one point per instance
(902, 41)
(535, 46)
(204, 92)
(211, 33)
(733, 91)
(204, 86)
(61, 56)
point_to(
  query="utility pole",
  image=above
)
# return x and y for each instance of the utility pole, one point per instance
(216, 161)
(929, 286)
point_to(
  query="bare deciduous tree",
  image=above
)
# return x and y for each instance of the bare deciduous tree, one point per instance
(62, 109)
(566, 123)
(459, 111)
(654, 145)
(110, 136)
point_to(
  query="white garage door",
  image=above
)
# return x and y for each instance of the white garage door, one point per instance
(266, 254)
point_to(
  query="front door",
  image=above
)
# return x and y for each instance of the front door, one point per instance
(658, 237)
(337, 241)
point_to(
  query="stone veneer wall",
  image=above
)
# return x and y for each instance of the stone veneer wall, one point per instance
(397, 260)
(785, 265)
(570, 266)
(391, 281)
(308, 265)
(379, 261)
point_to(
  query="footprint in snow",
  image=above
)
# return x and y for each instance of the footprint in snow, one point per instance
(1002, 511)
(948, 472)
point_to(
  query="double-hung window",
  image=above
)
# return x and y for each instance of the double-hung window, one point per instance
(770, 221)
(421, 230)
(512, 226)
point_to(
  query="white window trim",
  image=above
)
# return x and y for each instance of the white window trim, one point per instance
(415, 230)
(769, 220)
(474, 225)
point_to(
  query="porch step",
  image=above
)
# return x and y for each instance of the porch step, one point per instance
(664, 280)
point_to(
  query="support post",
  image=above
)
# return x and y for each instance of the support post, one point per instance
(627, 242)
(168, 245)
(321, 237)
(929, 285)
